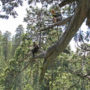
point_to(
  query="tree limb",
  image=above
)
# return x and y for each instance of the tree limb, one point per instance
(62, 22)
(61, 44)
(64, 2)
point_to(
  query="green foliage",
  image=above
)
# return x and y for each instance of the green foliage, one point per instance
(28, 87)
(19, 73)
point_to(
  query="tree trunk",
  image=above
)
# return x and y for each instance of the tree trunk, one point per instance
(60, 45)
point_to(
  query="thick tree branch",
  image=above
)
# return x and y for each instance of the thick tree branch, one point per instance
(64, 2)
(61, 44)
(62, 22)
